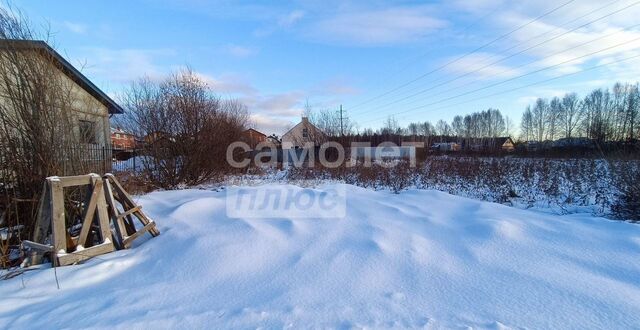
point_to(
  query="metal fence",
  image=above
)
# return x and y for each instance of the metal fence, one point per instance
(127, 160)
(80, 159)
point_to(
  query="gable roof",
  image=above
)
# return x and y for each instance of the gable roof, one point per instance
(255, 131)
(67, 69)
(305, 122)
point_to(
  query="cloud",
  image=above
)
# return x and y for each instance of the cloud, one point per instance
(377, 27)
(276, 113)
(124, 65)
(239, 51)
(335, 87)
(76, 28)
(291, 18)
(477, 65)
(549, 41)
(270, 125)
(270, 113)
(229, 84)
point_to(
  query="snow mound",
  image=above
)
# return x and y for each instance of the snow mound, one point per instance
(416, 259)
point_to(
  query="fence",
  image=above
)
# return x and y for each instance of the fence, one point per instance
(62, 161)
(127, 161)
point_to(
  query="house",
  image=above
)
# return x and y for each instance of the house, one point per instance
(445, 146)
(122, 140)
(158, 137)
(92, 107)
(303, 134)
(491, 144)
(88, 107)
(579, 143)
(253, 137)
(274, 140)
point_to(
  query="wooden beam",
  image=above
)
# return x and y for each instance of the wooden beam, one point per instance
(75, 257)
(59, 230)
(89, 212)
(146, 220)
(37, 246)
(43, 221)
(120, 189)
(151, 225)
(78, 180)
(128, 212)
(103, 215)
(117, 222)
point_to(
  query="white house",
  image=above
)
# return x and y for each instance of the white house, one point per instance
(302, 134)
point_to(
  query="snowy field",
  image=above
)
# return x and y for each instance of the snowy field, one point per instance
(418, 259)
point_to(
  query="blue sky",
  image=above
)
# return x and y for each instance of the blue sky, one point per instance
(276, 56)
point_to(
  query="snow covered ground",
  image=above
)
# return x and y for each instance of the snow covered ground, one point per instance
(415, 259)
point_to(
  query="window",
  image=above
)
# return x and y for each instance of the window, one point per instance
(87, 131)
(305, 133)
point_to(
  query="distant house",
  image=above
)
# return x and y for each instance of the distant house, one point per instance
(158, 137)
(573, 143)
(491, 144)
(445, 146)
(253, 137)
(532, 146)
(302, 134)
(274, 140)
(122, 140)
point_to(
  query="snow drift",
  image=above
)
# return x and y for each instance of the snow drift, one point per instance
(416, 259)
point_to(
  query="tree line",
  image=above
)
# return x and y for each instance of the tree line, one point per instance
(602, 115)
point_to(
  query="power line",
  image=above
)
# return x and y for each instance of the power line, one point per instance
(425, 53)
(467, 54)
(504, 71)
(507, 91)
(511, 56)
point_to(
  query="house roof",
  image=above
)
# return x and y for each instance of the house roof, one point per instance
(253, 130)
(306, 123)
(68, 70)
(119, 131)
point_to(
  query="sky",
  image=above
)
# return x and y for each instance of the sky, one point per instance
(413, 60)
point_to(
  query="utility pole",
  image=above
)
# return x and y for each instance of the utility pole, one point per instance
(341, 121)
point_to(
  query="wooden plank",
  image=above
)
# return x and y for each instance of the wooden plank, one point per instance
(117, 222)
(120, 189)
(146, 220)
(37, 246)
(128, 212)
(43, 222)
(103, 215)
(74, 257)
(89, 212)
(77, 180)
(59, 230)
(127, 242)
(127, 203)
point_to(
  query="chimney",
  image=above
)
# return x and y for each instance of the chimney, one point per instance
(305, 120)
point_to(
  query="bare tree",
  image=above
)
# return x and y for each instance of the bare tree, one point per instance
(571, 115)
(186, 126)
(39, 133)
(443, 128)
(526, 125)
(508, 126)
(458, 126)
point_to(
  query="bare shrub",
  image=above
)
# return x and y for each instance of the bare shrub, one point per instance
(186, 128)
(627, 204)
